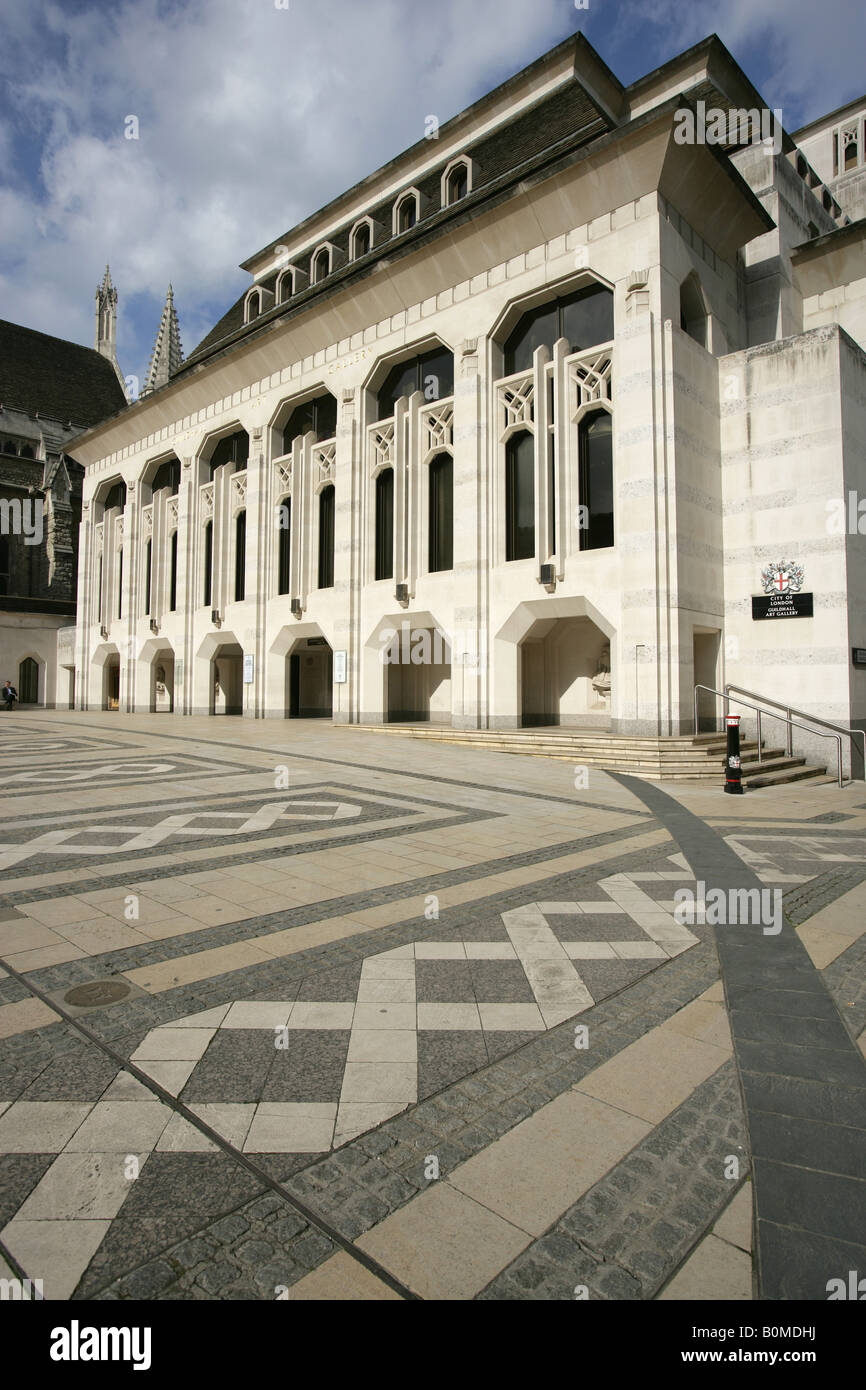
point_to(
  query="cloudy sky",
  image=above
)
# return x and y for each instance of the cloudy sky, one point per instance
(254, 113)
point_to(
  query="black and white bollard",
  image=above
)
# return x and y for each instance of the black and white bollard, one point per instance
(733, 768)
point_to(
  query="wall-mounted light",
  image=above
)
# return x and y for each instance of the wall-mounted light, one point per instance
(103, 632)
(154, 625)
(296, 608)
(215, 617)
(547, 576)
(402, 594)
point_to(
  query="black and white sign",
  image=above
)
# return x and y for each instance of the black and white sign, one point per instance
(786, 605)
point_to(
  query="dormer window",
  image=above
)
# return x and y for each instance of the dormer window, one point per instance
(361, 240)
(252, 305)
(321, 264)
(456, 181)
(285, 284)
(406, 212)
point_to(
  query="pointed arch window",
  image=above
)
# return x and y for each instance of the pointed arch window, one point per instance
(326, 538)
(596, 479)
(285, 547)
(520, 496)
(172, 578)
(385, 524)
(441, 514)
(208, 565)
(240, 556)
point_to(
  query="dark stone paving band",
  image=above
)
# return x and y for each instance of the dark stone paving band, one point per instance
(802, 1076)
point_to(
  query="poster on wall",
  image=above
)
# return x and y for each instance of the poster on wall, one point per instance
(249, 668)
(340, 663)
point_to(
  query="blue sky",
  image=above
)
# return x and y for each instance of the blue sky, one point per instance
(252, 116)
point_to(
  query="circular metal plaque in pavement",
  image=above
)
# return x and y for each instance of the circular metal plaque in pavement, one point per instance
(96, 992)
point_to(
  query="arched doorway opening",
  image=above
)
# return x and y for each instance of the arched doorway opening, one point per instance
(417, 665)
(565, 674)
(310, 679)
(162, 682)
(111, 683)
(227, 672)
(28, 682)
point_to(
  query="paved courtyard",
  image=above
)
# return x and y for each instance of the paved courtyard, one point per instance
(294, 1011)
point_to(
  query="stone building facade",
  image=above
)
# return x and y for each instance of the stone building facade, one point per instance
(49, 390)
(510, 433)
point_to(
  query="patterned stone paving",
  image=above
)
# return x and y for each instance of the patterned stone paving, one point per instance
(406, 1022)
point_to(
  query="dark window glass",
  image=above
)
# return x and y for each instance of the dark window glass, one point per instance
(520, 497)
(120, 584)
(285, 543)
(385, 524)
(318, 415)
(584, 318)
(362, 240)
(172, 585)
(851, 155)
(441, 520)
(458, 184)
(326, 538)
(321, 266)
(407, 214)
(148, 561)
(4, 564)
(240, 555)
(116, 497)
(432, 373)
(167, 477)
(234, 450)
(208, 564)
(596, 479)
(26, 452)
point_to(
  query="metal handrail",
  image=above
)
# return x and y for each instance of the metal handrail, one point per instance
(723, 695)
(851, 734)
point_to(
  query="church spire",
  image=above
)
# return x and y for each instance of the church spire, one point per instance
(106, 318)
(167, 355)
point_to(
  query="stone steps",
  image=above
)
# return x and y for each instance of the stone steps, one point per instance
(678, 758)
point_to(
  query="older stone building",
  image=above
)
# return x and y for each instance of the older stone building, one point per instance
(50, 390)
(517, 431)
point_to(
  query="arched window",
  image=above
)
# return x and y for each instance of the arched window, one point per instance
(318, 415)
(362, 240)
(27, 452)
(385, 524)
(252, 306)
(172, 578)
(432, 373)
(440, 531)
(28, 682)
(240, 556)
(693, 314)
(116, 497)
(457, 184)
(406, 214)
(285, 286)
(167, 477)
(208, 564)
(285, 547)
(520, 497)
(321, 265)
(596, 480)
(233, 450)
(583, 319)
(326, 538)
(148, 566)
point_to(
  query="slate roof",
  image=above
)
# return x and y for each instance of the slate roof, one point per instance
(56, 378)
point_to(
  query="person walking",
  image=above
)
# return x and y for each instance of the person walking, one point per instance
(10, 694)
